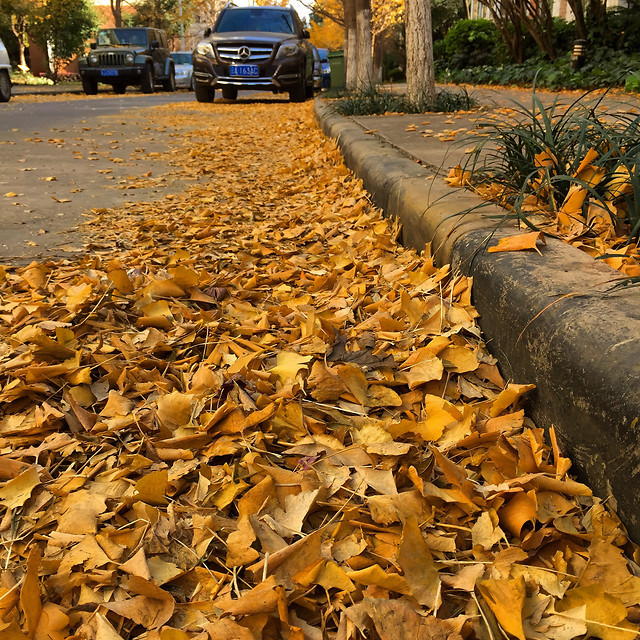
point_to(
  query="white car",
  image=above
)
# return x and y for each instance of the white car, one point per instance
(184, 69)
(5, 74)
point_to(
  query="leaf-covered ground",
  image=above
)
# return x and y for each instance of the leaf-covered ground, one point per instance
(248, 413)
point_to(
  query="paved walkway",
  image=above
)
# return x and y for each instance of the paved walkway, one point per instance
(438, 140)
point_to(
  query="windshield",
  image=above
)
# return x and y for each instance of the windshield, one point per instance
(135, 37)
(182, 58)
(256, 19)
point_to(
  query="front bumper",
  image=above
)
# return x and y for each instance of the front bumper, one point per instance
(128, 74)
(280, 77)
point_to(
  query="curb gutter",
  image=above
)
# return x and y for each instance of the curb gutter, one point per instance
(547, 318)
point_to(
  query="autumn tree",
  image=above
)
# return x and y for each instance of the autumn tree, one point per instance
(20, 14)
(353, 16)
(61, 28)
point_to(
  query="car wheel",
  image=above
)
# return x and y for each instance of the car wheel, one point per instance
(5, 86)
(170, 83)
(119, 88)
(229, 93)
(204, 93)
(299, 93)
(90, 86)
(308, 90)
(148, 83)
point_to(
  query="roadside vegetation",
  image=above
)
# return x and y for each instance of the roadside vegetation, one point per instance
(569, 170)
(481, 52)
(378, 101)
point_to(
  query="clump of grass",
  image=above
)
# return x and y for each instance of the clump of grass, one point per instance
(539, 157)
(377, 101)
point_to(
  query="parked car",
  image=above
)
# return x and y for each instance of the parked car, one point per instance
(317, 70)
(5, 74)
(128, 56)
(254, 48)
(184, 69)
(326, 68)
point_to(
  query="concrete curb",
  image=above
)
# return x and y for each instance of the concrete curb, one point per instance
(548, 318)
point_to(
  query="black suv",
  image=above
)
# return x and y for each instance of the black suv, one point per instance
(254, 48)
(128, 56)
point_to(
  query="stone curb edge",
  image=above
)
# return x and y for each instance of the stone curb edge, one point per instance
(550, 319)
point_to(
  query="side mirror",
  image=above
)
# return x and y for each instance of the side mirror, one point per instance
(93, 45)
(155, 44)
(207, 32)
(305, 34)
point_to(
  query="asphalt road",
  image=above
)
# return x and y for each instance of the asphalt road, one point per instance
(61, 159)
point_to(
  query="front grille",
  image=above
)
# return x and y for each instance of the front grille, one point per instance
(111, 59)
(229, 52)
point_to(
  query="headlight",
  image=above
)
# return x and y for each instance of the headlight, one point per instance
(93, 59)
(287, 50)
(130, 58)
(205, 49)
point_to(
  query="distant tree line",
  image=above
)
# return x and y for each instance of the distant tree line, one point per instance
(61, 28)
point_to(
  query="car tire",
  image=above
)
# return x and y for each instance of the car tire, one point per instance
(204, 93)
(170, 83)
(148, 82)
(229, 93)
(299, 93)
(90, 86)
(119, 88)
(5, 86)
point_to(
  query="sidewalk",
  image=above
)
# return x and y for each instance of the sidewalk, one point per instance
(45, 89)
(548, 318)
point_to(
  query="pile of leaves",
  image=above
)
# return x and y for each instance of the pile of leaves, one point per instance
(568, 170)
(248, 413)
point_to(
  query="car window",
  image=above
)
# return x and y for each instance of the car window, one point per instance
(256, 19)
(136, 37)
(182, 58)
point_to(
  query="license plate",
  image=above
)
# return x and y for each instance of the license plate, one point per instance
(244, 70)
(108, 72)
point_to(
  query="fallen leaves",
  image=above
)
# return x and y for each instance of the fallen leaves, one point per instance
(285, 427)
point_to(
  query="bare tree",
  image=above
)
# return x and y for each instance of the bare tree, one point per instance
(511, 16)
(421, 83)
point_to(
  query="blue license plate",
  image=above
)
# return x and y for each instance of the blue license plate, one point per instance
(108, 72)
(244, 70)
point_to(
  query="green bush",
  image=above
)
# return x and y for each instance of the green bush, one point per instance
(603, 68)
(470, 43)
(632, 84)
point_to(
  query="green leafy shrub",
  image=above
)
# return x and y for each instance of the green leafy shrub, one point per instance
(603, 68)
(470, 43)
(632, 84)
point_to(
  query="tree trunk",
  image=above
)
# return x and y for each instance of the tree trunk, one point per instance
(19, 29)
(364, 55)
(577, 9)
(116, 10)
(350, 49)
(421, 83)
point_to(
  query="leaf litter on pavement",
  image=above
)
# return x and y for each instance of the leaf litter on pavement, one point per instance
(249, 413)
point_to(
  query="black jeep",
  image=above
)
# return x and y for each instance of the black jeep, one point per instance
(128, 56)
(254, 48)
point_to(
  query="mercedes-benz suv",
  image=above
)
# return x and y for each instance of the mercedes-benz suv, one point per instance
(254, 48)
